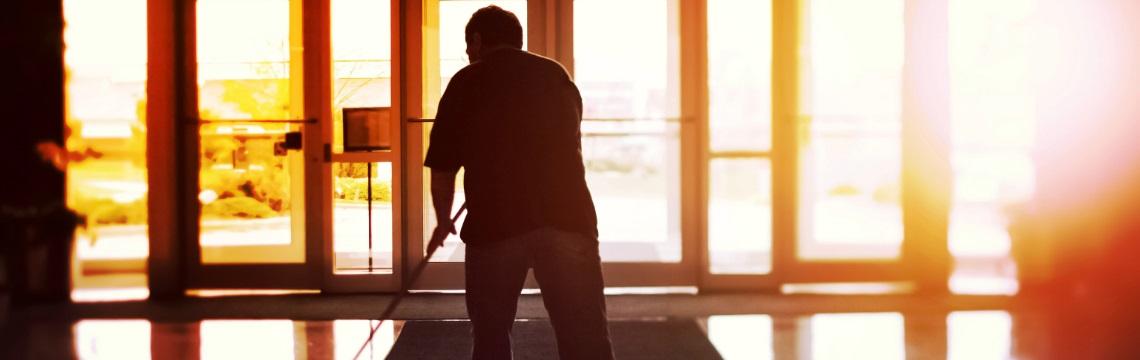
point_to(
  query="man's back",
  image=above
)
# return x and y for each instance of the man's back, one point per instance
(512, 121)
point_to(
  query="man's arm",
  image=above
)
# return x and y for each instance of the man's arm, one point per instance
(443, 155)
(442, 196)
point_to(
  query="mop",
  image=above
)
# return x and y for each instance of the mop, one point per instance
(431, 248)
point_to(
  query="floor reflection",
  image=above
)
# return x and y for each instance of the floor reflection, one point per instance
(979, 335)
(960, 335)
(742, 336)
(210, 339)
(112, 339)
(854, 336)
(886, 335)
(237, 339)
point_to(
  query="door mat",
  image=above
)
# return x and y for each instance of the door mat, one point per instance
(534, 339)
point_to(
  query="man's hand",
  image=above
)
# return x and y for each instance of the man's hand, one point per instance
(442, 231)
(442, 194)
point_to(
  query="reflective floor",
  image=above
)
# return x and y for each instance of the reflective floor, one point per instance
(967, 335)
(961, 335)
(1012, 333)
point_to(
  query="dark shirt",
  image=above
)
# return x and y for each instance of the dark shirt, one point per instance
(513, 122)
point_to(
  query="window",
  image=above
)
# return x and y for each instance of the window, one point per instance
(740, 136)
(106, 64)
(851, 159)
(630, 131)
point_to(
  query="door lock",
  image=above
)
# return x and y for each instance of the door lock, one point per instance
(292, 142)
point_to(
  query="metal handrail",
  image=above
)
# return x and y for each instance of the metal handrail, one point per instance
(269, 121)
(668, 119)
(665, 119)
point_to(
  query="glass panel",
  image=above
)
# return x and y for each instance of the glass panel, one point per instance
(355, 232)
(249, 66)
(740, 76)
(362, 58)
(106, 63)
(740, 205)
(631, 144)
(251, 195)
(979, 335)
(851, 157)
(992, 129)
(857, 336)
(245, 339)
(251, 190)
(740, 216)
(742, 336)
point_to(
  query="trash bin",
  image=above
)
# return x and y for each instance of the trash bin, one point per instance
(37, 246)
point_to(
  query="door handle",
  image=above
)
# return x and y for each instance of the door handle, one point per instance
(292, 142)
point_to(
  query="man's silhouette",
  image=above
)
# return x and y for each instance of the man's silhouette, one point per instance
(512, 120)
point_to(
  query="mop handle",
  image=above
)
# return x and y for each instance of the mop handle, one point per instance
(432, 247)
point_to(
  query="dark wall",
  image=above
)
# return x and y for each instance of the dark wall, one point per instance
(31, 100)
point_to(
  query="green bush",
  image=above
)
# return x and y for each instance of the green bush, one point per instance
(239, 207)
(357, 190)
(269, 186)
(351, 170)
(103, 211)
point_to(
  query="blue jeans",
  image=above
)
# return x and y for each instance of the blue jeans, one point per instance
(569, 272)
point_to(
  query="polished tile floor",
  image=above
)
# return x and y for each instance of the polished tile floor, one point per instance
(967, 335)
(958, 329)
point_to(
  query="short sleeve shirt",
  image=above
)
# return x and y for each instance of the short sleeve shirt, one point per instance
(512, 121)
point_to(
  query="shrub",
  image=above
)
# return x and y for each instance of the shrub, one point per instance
(239, 207)
(350, 170)
(357, 189)
(103, 211)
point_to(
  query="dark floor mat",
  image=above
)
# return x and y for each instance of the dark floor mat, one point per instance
(669, 339)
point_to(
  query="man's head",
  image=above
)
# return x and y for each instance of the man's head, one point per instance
(491, 28)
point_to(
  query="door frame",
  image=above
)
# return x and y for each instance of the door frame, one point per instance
(924, 258)
(305, 275)
(173, 195)
(173, 265)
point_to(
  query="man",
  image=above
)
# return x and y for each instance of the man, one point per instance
(512, 120)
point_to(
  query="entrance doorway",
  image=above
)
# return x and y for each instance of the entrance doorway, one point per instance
(713, 166)
(256, 129)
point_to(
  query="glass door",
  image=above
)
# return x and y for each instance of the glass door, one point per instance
(254, 131)
(805, 177)
(363, 143)
(739, 162)
(632, 132)
(634, 129)
(848, 143)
